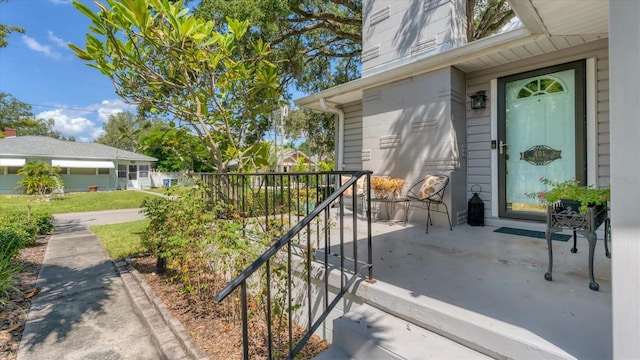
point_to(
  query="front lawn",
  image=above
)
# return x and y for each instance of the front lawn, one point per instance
(73, 202)
(123, 239)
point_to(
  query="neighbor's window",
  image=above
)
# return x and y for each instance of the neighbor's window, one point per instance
(144, 171)
(104, 171)
(133, 172)
(82, 171)
(122, 171)
(12, 170)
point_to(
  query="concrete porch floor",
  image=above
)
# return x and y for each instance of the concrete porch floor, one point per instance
(497, 276)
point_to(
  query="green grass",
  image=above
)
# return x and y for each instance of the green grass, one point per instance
(123, 239)
(74, 202)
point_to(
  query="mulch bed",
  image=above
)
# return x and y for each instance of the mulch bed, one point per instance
(209, 323)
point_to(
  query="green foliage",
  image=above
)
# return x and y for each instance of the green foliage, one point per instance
(25, 227)
(18, 230)
(315, 43)
(6, 30)
(486, 17)
(190, 233)
(175, 149)
(9, 267)
(39, 178)
(124, 130)
(169, 62)
(571, 190)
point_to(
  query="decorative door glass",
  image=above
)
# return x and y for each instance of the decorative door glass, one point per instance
(540, 133)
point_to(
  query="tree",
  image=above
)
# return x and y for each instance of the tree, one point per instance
(39, 178)
(167, 61)
(124, 130)
(6, 30)
(17, 114)
(317, 128)
(175, 149)
(486, 17)
(317, 43)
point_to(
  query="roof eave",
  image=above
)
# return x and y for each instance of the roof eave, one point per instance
(451, 57)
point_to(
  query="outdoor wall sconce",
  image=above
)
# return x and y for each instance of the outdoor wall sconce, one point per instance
(478, 100)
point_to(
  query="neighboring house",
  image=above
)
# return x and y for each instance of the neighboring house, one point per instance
(82, 164)
(288, 160)
(551, 91)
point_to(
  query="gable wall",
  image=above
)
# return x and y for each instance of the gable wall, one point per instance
(479, 151)
(415, 127)
(397, 31)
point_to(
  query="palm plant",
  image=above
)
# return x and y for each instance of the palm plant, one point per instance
(39, 178)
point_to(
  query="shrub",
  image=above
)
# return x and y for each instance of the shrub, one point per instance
(9, 266)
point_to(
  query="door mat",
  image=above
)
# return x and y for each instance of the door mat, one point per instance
(532, 233)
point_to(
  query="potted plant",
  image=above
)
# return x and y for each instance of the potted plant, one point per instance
(571, 195)
(386, 187)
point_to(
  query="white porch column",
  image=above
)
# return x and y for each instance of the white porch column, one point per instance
(624, 60)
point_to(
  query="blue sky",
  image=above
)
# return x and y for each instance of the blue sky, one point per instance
(39, 69)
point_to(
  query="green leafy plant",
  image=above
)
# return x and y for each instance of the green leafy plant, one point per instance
(9, 267)
(39, 178)
(571, 190)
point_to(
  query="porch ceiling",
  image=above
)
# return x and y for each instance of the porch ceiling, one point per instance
(547, 26)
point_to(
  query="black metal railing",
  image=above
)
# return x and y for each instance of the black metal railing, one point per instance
(301, 206)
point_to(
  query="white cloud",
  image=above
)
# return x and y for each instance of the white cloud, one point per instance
(56, 40)
(69, 124)
(84, 125)
(34, 45)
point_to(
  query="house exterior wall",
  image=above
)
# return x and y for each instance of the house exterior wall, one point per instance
(394, 30)
(416, 127)
(353, 153)
(77, 180)
(7, 181)
(625, 177)
(81, 183)
(479, 122)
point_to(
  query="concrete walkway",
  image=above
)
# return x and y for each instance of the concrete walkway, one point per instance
(91, 308)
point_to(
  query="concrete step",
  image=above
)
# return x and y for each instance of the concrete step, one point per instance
(369, 333)
(333, 353)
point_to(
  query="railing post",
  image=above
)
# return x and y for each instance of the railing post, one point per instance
(369, 244)
(245, 320)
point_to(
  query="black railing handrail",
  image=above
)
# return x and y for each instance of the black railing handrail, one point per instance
(286, 238)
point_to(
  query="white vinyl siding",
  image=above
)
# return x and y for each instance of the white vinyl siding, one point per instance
(353, 136)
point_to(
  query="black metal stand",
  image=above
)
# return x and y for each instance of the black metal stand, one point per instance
(584, 224)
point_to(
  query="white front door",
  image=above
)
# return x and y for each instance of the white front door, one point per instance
(541, 134)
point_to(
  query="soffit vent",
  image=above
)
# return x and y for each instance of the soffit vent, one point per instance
(424, 125)
(380, 15)
(389, 141)
(423, 46)
(371, 53)
(366, 154)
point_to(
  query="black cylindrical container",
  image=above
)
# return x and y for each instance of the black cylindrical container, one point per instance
(475, 209)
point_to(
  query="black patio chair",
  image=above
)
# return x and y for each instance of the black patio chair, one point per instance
(430, 192)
